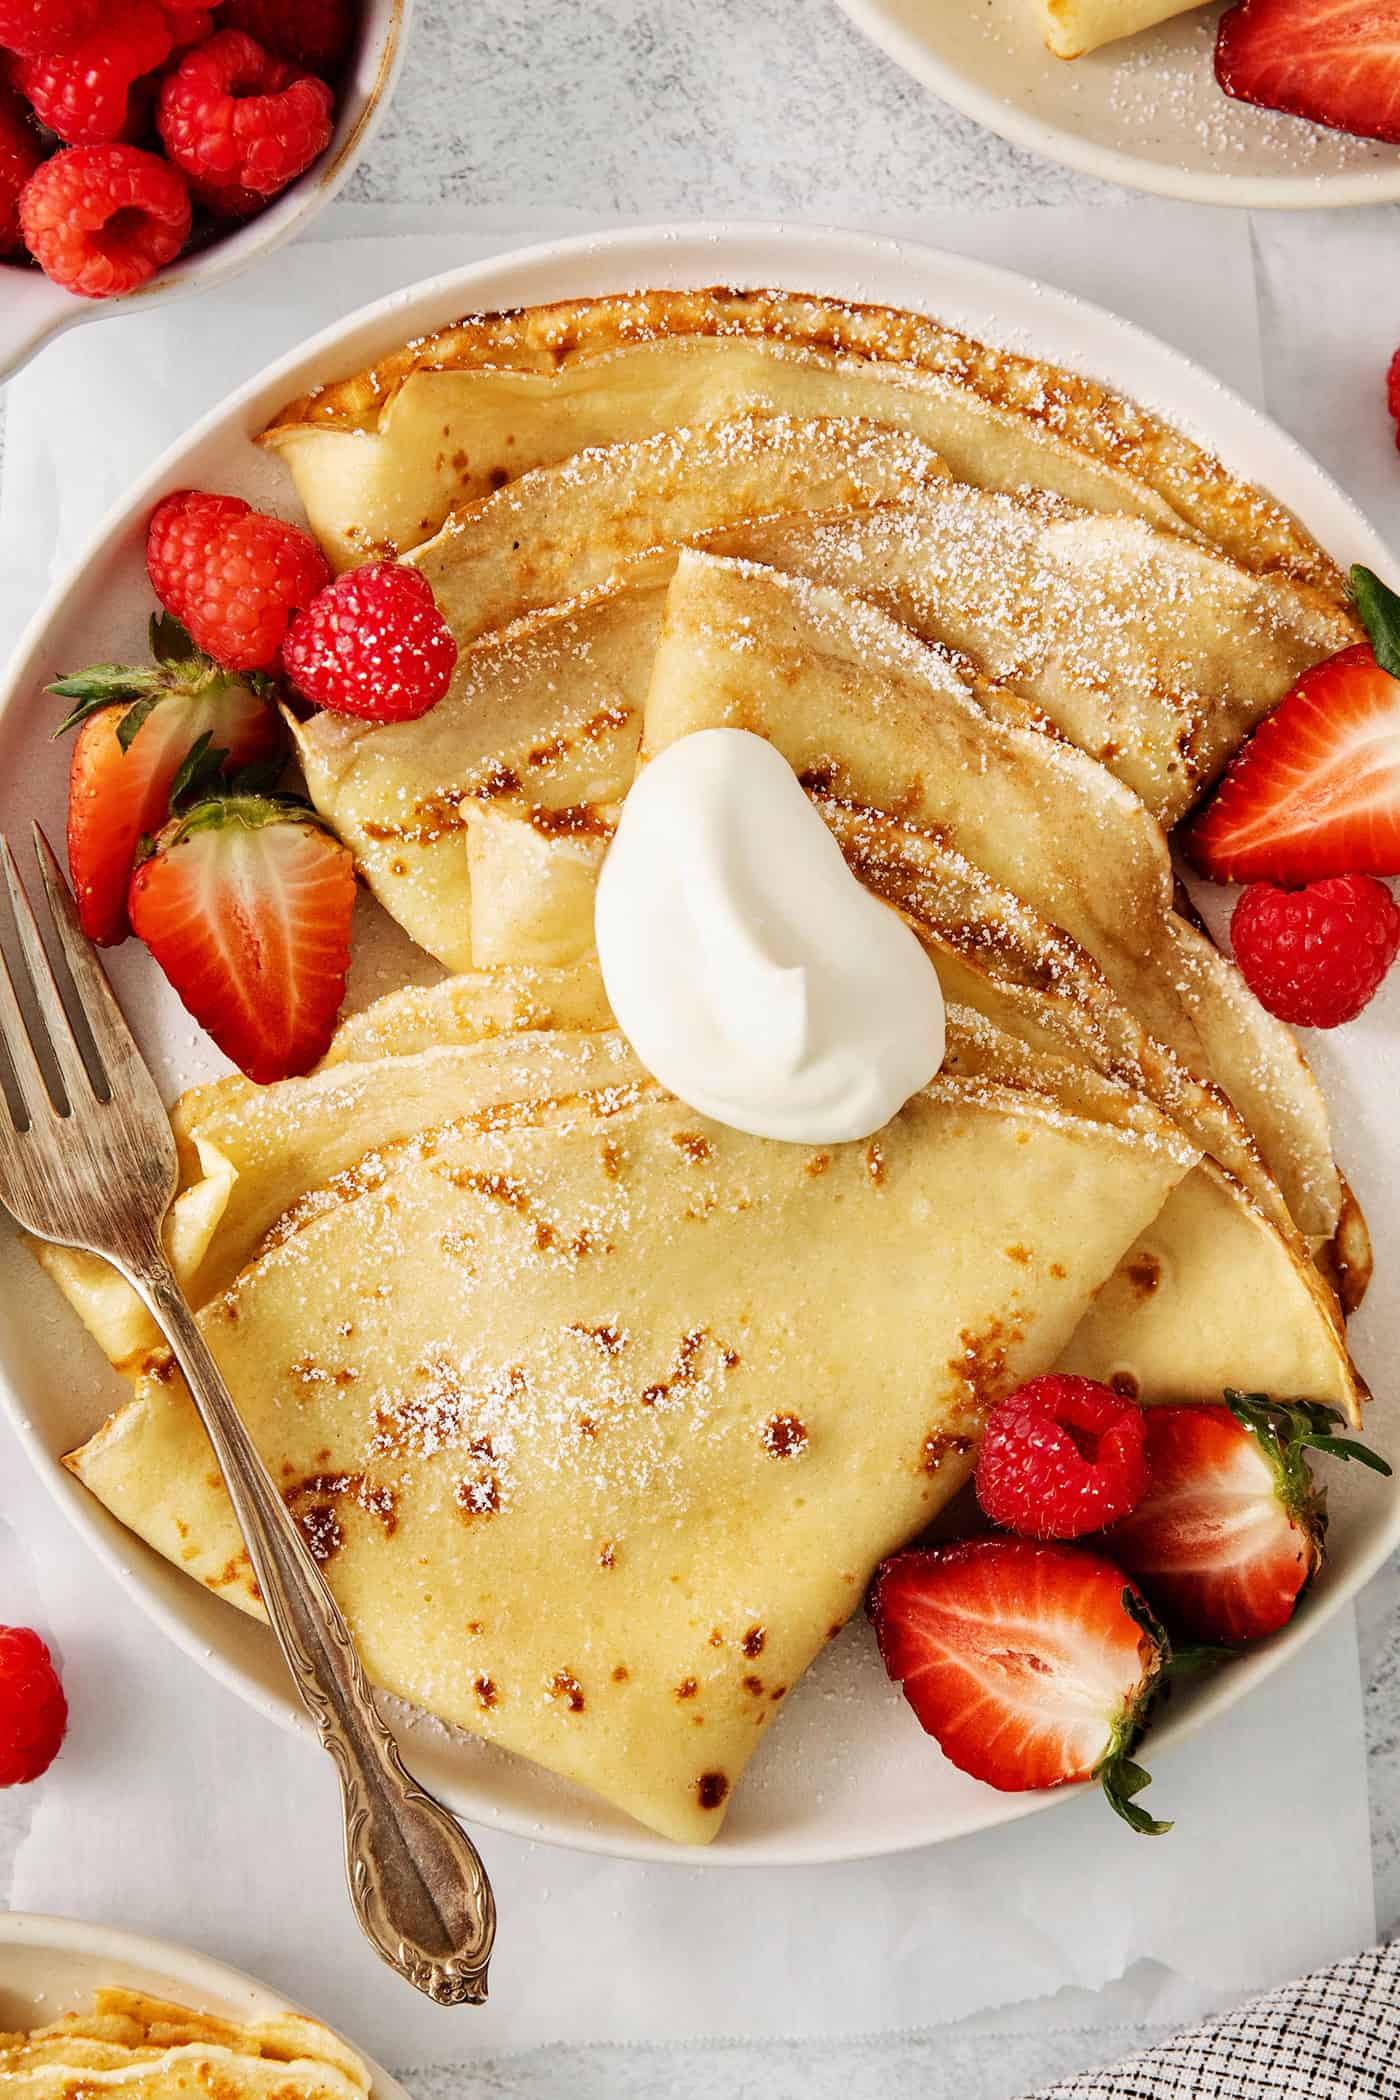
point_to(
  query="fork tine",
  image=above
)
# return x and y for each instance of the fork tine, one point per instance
(120, 1063)
(14, 1034)
(62, 1041)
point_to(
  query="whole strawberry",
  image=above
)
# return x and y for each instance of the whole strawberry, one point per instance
(21, 151)
(373, 644)
(1316, 956)
(1230, 1530)
(33, 1710)
(34, 28)
(231, 574)
(1061, 1456)
(142, 730)
(245, 902)
(233, 116)
(1032, 1665)
(84, 95)
(101, 220)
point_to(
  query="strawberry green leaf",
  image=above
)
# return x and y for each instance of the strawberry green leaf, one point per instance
(1122, 1781)
(261, 777)
(130, 724)
(1347, 1447)
(199, 771)
(100, 686)
(170, 640)
(1380, 616)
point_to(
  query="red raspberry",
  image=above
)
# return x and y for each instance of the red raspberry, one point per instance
(20, 154)
(33, 28)
(374, 644)
(233, 575)
(33, 1710)
(1392, 393)
(84, 95)
(312, 33)
(231, 113)
(188, 25)
(1062, 1456)
(103, 219)
(1315, 956)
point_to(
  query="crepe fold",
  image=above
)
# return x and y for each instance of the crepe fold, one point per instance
(381, 457)
(519, 1295)
(150, 2049)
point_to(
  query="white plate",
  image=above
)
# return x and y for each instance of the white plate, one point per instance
(1145, 111)
(50, 1966)
(843, 1776)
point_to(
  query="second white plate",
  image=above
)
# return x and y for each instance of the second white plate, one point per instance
(1146, 111)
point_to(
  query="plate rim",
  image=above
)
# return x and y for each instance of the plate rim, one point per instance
(188, 1968)
(450, 293)
(1348, 187)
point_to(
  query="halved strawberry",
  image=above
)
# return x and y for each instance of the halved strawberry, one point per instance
(1230, 1530)
(138, 728)
(1032, 1665)
(245, 902)
(1316, 790)
(1336, 62)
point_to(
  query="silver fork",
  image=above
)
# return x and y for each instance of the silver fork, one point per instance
(92, 1164)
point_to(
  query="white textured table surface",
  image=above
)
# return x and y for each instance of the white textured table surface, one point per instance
(756, 108)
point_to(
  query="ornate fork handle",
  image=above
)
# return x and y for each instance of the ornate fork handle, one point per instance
(416, 1880)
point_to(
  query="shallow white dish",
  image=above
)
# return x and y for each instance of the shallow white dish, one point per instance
(1146, 111)
(848, 1773)
(32, 310)
(50, 1966)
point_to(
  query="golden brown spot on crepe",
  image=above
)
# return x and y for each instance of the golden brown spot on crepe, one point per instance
(753, 1640)
(687, 1688)
(691, 1143)
(753, 1686)
(980, 1369)
(711, 1788)
(1018, 1253)
(1124, 1382)
(784, 1436)
(610, 1340)
(1058, 1271)
(817, 1164)
(686, 1369)
(875, 1162)
(479, 1495)
(833, 1629)
(159, 1365)
(587, 1426)
(610, 1153)
(310, 1372)
(607, 1554)
(940, 1445)
(716, 1637)
(779, 1691)
(576, 820)
(314, 1502)
(498, 477)
(564, 1685)
(620, 1674)
(1144, 1273)
(182, 1528)
(473, 1626)
(507, 1190)
(486, 1693)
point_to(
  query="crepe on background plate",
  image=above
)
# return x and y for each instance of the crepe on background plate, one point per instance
(720, 1377)
(148, 2049)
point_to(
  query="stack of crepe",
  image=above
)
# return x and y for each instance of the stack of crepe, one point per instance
(597, 1414)
(146, 2049)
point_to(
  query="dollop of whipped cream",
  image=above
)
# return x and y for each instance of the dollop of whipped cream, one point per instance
(752, 973)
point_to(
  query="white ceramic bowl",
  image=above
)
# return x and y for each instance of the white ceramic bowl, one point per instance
(848, 1774)
(1145, 111)
(32, 309)
(50, 1966)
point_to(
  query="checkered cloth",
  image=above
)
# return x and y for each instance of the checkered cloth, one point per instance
(1332, 2036)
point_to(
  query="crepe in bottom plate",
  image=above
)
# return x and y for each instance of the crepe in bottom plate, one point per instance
(599, 1415)
(147, 2049)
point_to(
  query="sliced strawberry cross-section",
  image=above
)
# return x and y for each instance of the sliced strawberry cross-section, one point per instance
(1032, 1665)
(1336, 62)
(245, 901)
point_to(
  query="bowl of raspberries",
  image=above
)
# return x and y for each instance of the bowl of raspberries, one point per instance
(149, 147)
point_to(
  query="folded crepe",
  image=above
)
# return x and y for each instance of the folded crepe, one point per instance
(864, 711)
(382, 457)
(721, 1377)
(1072, 27)
(143, 2047)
